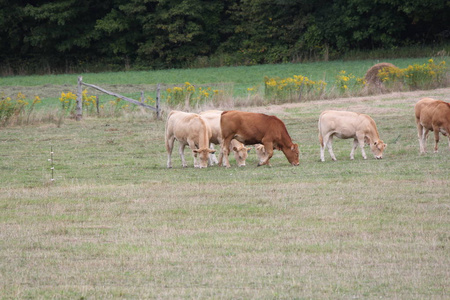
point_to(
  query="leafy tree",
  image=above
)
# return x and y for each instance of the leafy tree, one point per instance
(174, 33)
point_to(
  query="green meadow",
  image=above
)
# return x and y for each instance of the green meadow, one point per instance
(235, 80)
(111, 221)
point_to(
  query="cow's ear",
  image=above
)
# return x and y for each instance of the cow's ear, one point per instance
(375, 143)
(195, 150)
(248, 149)
(235, 149)
(212, 150)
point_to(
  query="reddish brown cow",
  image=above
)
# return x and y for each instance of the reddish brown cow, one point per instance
(240, 151)
(432, 115)
(255, 128)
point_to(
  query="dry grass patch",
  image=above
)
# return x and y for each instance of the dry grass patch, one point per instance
(117, 224)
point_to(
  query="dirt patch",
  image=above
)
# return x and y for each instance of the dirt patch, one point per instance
(356, 103)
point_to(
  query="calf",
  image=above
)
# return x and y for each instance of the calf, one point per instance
(432, 115)
(346, 125)
(188, 129)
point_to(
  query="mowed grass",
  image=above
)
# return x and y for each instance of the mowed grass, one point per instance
(233, 80)
(117, 224)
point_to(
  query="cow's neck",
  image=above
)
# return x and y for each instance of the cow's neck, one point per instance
(372, 137)
(203, 141)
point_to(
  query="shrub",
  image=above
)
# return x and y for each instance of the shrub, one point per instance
(193, 97)
(292, 88)
(14, 110)
(425, 76)
(348, 83)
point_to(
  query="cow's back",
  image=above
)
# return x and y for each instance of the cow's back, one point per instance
(427, 109)
(212, 117)
(331, 120)
(441, 116)
(186, 126)
(345, 124)
(251, 128)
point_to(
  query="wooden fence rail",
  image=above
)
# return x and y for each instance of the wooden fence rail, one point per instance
(80, 98)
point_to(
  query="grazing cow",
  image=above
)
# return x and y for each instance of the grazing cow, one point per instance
(261, 153)
(432, 115)
(253, 128)
(240, 151)
(188, 129)
(347, 125)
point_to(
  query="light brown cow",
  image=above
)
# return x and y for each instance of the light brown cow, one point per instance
(239, 149)
(188, 129)
(347, 125)
(253, 128)
(261, 153)
(432, 115)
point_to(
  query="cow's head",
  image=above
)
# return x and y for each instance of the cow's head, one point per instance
(292, 154)
(203, 155)
(241, 154)
(378, 148)
(261, 153)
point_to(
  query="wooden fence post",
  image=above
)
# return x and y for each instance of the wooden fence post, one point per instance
(79, 111)
(158, 92)
(142, 96)
(97, 103)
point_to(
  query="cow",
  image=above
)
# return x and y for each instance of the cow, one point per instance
(261, 152)
(432, 115)
(347, 125)
(239, 149)
(256, 128)
(188, 129)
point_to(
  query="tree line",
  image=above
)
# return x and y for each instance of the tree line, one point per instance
(59, 35)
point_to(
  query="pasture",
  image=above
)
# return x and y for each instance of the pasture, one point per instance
(116, 223)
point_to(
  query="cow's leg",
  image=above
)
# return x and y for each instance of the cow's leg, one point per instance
(448, 136)
(220, 153)
(322, 148)
(196, 159)
(181, 151)
(424, 139)
(436, 138)
(328, 142)
(420, 133)
(225, 151)
(360, 138)
(354, 146)
(169, 148)
(212, 156)
(269, 150)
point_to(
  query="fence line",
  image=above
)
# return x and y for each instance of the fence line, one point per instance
(80, 102)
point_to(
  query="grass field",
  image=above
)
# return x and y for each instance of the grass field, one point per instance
(116, 223)
(233, 80)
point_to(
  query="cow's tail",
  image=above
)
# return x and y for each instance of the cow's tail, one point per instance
(320, 136)
(167, 132)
